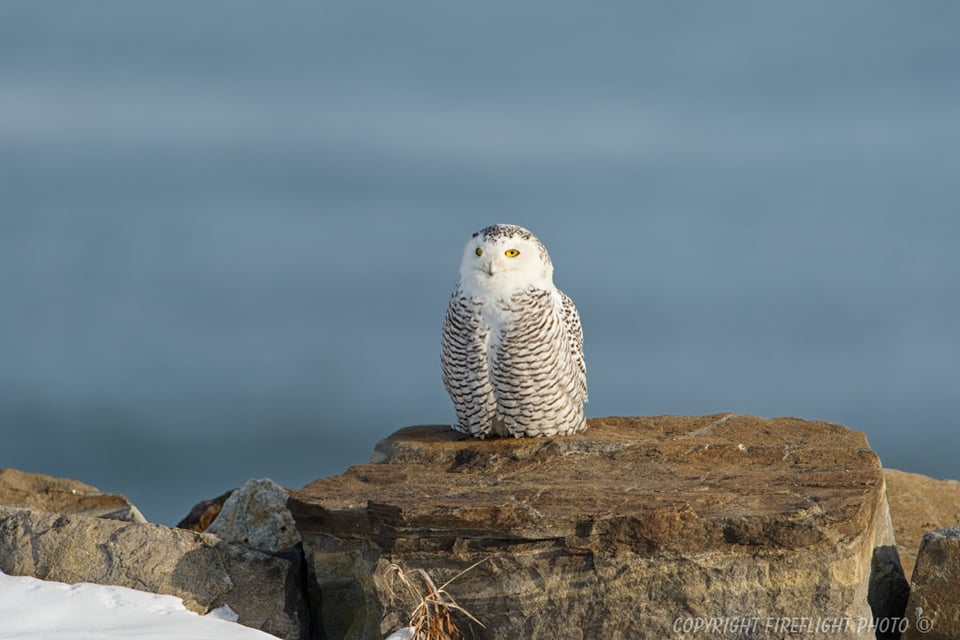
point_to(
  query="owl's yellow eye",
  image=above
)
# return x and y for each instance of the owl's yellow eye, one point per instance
(479, 251)
(511, 253)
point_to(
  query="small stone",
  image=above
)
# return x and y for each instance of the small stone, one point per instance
(256, 515)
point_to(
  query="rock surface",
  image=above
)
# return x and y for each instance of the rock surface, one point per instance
(199, 568)
(934, 606)
(919, 504)
(204, 513)
(623, 531)
(256, 515)
(62, 495)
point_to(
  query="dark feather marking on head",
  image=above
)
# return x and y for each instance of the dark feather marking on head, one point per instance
(506, 231)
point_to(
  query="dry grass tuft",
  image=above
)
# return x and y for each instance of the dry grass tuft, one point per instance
(430, 618)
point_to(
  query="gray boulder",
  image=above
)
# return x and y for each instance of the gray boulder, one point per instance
(256, 515)
(207, 573)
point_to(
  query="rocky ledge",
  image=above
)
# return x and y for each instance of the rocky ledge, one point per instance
(63, 495)
(628, 530)
(918, 505)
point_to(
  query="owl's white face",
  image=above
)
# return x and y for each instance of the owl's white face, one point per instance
(501, 259)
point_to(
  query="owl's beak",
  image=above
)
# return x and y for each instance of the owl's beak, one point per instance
(489, 268)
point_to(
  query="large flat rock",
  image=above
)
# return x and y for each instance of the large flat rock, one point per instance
(621, 531)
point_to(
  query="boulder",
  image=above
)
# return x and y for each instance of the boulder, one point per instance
(933, 610)
(919, 504)
(61, 495)
(636, 528)
(203, 513)
(256, 515)
(207, 573)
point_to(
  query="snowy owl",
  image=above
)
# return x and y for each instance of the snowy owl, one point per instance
(512, 347)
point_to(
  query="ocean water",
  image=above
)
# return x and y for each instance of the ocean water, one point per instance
(229, 230)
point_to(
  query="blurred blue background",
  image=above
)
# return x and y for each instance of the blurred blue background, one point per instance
(229, 230)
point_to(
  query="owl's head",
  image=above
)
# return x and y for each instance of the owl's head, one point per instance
(503, 258)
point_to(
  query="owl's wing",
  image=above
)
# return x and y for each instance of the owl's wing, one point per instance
(572, 320)
(538, 378)
(463, 363)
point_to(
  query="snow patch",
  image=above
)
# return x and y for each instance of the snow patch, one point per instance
(31, 608)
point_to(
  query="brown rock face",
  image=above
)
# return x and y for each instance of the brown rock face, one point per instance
(934, 607)
(62, 495)
(625, 531)
(919, 504)
(204, 513)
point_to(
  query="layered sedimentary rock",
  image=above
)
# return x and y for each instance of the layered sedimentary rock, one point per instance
(63, 495)
(633, 529)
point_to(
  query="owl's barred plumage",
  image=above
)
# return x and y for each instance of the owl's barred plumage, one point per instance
(512, 346)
